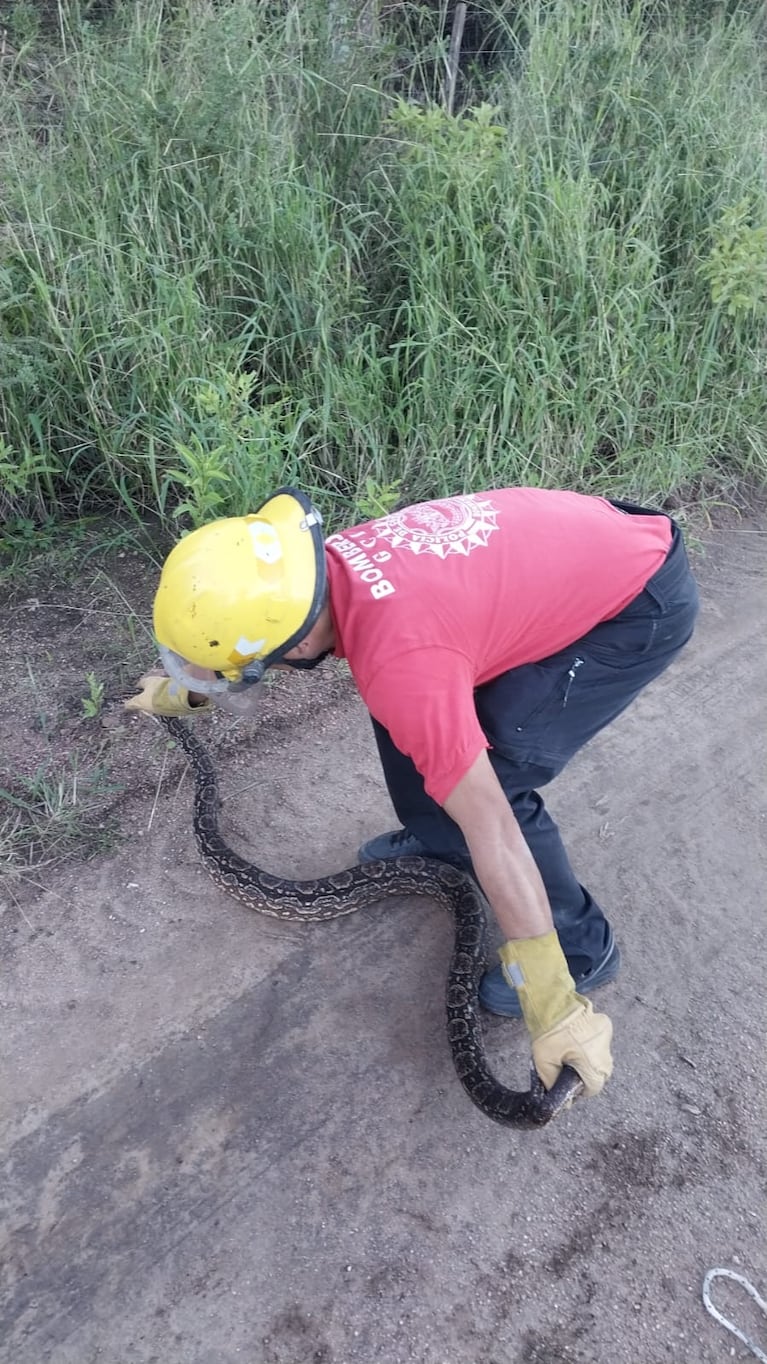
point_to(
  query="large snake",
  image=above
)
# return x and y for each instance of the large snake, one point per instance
(346, 891)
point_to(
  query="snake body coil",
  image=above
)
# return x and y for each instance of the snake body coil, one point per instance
(344, 892)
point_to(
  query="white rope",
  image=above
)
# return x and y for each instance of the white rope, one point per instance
(729, 1325)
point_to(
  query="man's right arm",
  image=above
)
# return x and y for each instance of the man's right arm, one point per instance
(563, 1027)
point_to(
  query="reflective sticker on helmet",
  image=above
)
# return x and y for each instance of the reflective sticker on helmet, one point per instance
(265, 541)
(248, 648)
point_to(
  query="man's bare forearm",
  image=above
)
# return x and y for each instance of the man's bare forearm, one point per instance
(512, 883)
(502, 861)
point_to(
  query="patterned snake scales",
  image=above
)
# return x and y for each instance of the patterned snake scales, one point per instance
(329, 897)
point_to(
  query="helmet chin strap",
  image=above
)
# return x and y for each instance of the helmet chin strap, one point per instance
(305, 663)
(254, 672)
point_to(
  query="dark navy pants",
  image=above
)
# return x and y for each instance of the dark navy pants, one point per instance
(537, 716)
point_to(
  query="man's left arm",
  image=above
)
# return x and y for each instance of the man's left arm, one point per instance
(562, 1024)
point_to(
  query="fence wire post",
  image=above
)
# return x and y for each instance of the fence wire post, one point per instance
(454, 55)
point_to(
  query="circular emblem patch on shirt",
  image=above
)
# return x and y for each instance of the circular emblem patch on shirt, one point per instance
(454, 525)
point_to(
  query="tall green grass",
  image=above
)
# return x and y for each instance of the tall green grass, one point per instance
(232, 255)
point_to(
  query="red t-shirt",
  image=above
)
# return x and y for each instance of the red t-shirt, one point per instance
(430, 602)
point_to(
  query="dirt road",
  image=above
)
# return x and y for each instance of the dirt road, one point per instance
(232, 1140)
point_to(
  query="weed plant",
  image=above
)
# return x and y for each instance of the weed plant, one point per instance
(54, 815)
(233, 255)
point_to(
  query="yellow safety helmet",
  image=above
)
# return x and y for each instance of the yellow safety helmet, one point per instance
(237, 594)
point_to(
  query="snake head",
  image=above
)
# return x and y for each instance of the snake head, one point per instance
(546, 1104)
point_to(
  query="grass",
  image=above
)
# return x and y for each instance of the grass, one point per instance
(234, 256)
(75, 638)
(54, 815)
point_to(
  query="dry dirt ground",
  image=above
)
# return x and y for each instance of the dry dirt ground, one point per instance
(234, 1140)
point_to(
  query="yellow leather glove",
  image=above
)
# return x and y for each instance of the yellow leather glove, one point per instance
(155, 697)
(563, 1026)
